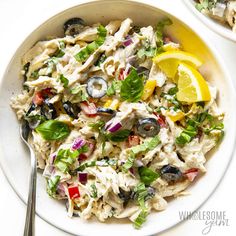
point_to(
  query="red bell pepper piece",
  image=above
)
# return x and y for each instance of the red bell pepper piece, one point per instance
(89, 109)
(122, 74)
(160, 119)
(38, 98)
(73, 192)
(191, 174)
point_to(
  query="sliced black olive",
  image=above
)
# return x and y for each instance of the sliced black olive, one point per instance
(151, 193)
(73, 26)
(170, 173)
(32, 108)
(141, 70)
(135, 29)
(48, 110)
(148, 127)
(124, 195)
(96, 87)
(71, 109)
(105, 111)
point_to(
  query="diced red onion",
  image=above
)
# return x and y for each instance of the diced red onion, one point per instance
(131, 170)
(82, 157)
(78, 143)
(127, 42)
(83, 178)
(48, 171)
(61, 190)
(52, 158)
(114, 128)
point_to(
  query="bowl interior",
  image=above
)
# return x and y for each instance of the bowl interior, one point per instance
(15, 158)
(221, 29)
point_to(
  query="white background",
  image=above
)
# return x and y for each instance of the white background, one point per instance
(17, 19)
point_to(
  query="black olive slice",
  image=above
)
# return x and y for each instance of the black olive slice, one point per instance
(105, 111)
(96, 87)
(73, 26)
(71, 109)
(148, 127)
(170, 173)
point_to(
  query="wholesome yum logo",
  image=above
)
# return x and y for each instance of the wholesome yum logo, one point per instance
(211, 219)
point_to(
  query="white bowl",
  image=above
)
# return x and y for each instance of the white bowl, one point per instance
(212, 24)
(15, 157)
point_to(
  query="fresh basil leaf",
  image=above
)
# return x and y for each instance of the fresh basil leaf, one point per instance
(64, 81)
(83, 55)
(118, 136)
(52, 185)
(94, 191)
(132, 87)
(147, 145)
(53, 130)
(147, 175)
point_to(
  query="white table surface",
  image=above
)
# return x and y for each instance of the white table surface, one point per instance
(17, 19)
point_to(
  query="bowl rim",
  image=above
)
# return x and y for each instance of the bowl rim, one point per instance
(212, 50)
(211, 23)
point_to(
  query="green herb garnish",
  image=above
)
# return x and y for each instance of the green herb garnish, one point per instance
(159, 30)
(103, 162)
(113, 88)
(129, 163)
(83, 55)
(206, 4)
(64, 81)
(141, 195)
(94, 191)
(98, 125)
(147, 176)
(52, 185)
(147, 145)
(66, 157)
(147, 52)
(61, 49)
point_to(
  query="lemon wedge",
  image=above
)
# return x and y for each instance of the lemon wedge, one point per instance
(169, 61)
(191, 85)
